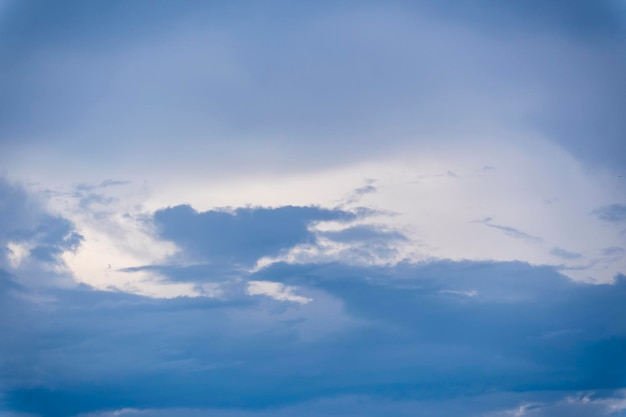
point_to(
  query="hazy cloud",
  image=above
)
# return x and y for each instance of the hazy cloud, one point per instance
(615, 213)
(564, 254)
(512, 232)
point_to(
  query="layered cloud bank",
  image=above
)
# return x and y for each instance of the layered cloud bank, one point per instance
(302, 310)
(362, 209)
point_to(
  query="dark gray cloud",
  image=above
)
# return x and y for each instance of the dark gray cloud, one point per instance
(418, 336)
(428, 303)
(411, 333)
(53, 238)
(243, 235)
(231, 251)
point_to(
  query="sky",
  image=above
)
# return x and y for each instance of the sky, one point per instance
(282, 208)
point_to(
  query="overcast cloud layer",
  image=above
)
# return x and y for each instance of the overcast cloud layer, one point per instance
(248, 209)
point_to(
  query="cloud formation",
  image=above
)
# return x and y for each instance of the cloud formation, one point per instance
(512, 232)
(31, 239)
(178, 235)
(341, 76)
(614, 213)
(564, 254)
(407, 331)
(243, 235)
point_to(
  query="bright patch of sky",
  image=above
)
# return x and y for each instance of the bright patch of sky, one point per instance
(478, 201)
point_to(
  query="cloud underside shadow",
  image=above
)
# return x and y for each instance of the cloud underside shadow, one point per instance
(413, 332)
(244, 235)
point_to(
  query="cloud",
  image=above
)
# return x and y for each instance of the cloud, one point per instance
(613, 251)
(201, 272)
(551, 404)
(510, 301)
(512, 232)
(103, 184)
(358, 193)
(362, 233)
(219, 246)
(564, 254)
(276, 291)
(31, 239)
(399, 333)
(286, 305)
(243, 235)
(344, 78)
(614, 213)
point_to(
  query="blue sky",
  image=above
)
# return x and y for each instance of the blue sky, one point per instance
(251, 209)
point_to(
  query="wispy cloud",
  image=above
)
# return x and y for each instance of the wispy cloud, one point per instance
(511, 231)
(564, 254)
(614, 213)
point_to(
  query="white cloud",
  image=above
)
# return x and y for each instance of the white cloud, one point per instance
(17, 252)
(276, 290)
